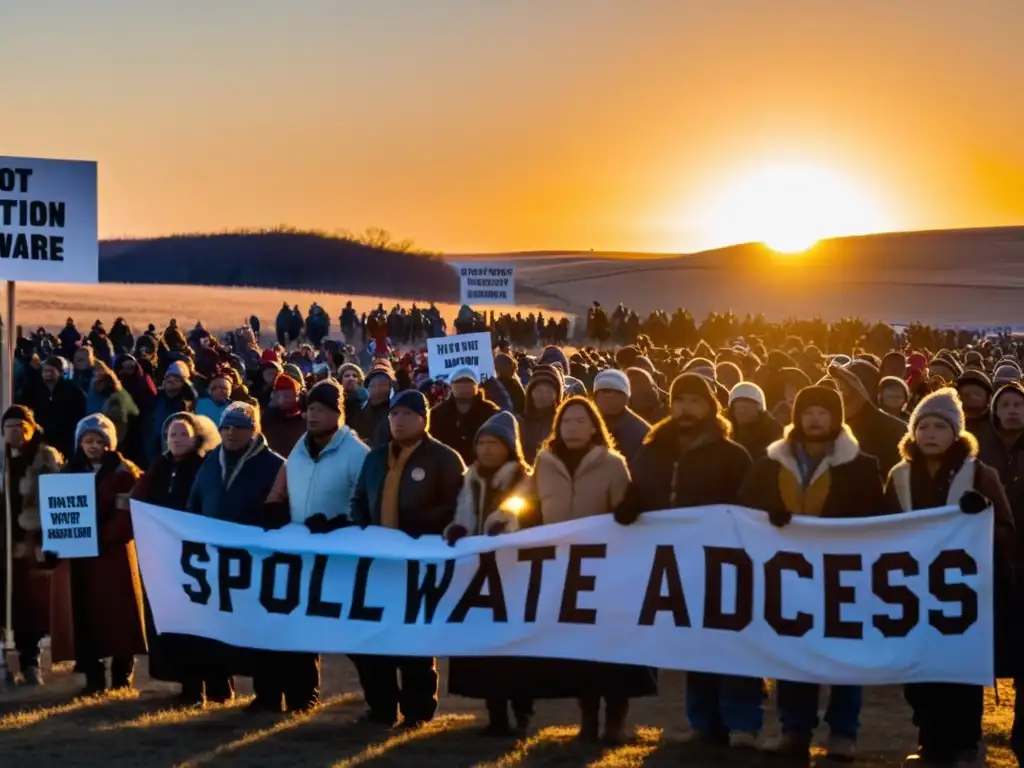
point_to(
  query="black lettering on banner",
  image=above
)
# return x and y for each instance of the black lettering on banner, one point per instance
(194, 550)
(427, 593)
(837, 595)
(953, 559)
(360, 611)
(226, 580)
(900, 595)
(15, 180)
(576, 582)
(535, 556)
(316, 605)
(293, 582)
(487, 574)
(795, 562)
(715, 617)
(664, 569)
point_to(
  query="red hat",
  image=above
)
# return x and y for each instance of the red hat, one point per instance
(269, 356)
(284, 381)
(917, 362)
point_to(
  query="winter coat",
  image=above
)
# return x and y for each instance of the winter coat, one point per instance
(534, 428)
(597, 486)
(844, 484)
(1008, 462)
(478, 508)
(283, 430)
(58, 412)
(211, 410)
(371, 424)
(458, 430)
(323, 485)
(910, 487)
(98, 606)
(758, 436)
(516, 393)
(70, 339)
(119, 407)
(31, 605)
(494, 390)
(629, 431)
(879, 435)
(169, 481)
(163, 408)
(427, 493)
(238, 496)
(710, 471)
(354, 402)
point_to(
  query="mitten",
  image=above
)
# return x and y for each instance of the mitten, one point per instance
(318, 523)
(497, 527)
(972, 502)
(454, 532)
(780, 518)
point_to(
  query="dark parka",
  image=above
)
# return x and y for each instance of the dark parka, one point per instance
(458, 430)
(629, 431)
(758, 436)
(237, 496)
(58, 412)
(845, 484)
(429, 487)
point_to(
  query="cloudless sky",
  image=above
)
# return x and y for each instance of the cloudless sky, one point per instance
(472, 125)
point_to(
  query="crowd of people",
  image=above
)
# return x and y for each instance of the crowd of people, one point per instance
(313, 432)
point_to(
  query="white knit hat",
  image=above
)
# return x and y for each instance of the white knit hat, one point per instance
(747, 390)
(612, 379)
(943, 403)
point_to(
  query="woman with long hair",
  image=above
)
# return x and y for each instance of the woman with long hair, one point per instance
(578, 474)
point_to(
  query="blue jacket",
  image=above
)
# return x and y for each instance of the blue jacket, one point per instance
(206, 407)
(238, 497)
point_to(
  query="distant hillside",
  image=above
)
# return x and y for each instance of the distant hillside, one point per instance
(292, 260)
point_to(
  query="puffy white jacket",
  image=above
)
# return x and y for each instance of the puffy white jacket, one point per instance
(324, 485)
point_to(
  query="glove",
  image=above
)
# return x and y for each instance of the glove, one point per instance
(624, 516)
(972, 502)
(454, 533)
(780, 518)
(318, 523)
(496, 528)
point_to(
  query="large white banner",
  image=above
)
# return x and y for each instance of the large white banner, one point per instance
(898, 599)
(48, 221)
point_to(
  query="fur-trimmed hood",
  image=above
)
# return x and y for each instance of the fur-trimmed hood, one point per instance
(845, 450)
(45, 461)
(512, 478)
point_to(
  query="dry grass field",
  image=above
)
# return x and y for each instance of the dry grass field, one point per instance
(49, 727)
(221, 309)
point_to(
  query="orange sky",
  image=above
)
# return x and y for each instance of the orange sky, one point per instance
(472, 126)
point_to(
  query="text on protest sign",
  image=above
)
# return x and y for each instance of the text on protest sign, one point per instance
(48, 221)
(449, 353)
(67, 506)
(715, 589)
(485, 282)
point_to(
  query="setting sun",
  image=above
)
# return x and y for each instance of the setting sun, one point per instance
(789, 208)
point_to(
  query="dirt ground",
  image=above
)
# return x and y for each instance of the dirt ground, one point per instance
(49, 726)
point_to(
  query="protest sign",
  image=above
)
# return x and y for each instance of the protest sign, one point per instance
(448, 353)
(485, 282)
(67, 509)
(48, 221)
(871, 601)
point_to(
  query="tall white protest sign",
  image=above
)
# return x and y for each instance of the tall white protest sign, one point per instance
(865, 601)
(48, 221)
(467, 350)
(67, 510)
(486, 282)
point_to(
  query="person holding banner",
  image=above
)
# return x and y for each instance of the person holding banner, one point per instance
(689, 460)
(578, 474)
(410, 484)
(816, 469)
(104, 593)
(940, 468)
(456, 421)
(26, 458)
(495, 499)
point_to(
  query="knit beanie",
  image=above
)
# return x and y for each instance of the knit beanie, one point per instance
(977, 379)
(412, 399)
(1006, 390)
(549, 374)
(293, 370)
(554, 356)
(1005, 374)
(269, 356)
(97, 424)
(376, 371)
(823, 397)
(943, 403)
(240, 415)
(945, 367)
(896, 361)
(284, 381)
(892, 381)
(54, 362)
(613, 380)
(347, 367)
(860, 375)
(178, 369)
(505, 427)
(693, 384)
(747, 390)
(329, 394)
